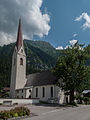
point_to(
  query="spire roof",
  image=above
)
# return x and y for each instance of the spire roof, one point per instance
(19, 42)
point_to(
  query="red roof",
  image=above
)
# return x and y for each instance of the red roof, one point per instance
(6, 89)
(19, 42)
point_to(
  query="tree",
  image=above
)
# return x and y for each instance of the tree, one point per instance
(71, 71)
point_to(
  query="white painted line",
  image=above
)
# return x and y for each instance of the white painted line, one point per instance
(51, 112)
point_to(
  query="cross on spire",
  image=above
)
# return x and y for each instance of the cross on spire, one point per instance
(19, 42)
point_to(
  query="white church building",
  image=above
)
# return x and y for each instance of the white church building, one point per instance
(34, 86)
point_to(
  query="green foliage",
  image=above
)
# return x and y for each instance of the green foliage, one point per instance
(86, 99)
(78, 97)
(16, 112)
(71, 70)
(40, 56)
(74, 104)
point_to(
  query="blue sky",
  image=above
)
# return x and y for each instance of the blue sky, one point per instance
(63, 24)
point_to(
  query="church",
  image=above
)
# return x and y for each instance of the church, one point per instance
(33, 86)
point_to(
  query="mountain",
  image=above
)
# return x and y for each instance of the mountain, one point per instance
(40, 56)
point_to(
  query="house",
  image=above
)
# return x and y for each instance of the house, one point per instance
(86, 93)
(37, 85)
(5, 92)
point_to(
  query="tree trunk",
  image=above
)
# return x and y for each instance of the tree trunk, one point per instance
(67, 99)
(72, 96)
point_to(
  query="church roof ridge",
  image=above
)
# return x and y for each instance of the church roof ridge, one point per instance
(39, 72)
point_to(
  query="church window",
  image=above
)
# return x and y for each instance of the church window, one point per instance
(43, 92)
(22, 91)
(21, 50)
(17, 91)
(29, 96)
(51, 91)
(30, 91)
(21, 61)
(36, 92)
(17, 96)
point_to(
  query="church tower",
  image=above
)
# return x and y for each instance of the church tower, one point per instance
(18, 72)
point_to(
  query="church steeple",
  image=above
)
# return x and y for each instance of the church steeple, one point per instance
(18, 72)
(19, 42)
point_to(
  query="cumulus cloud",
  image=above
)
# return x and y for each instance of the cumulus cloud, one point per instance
(6, 38)
(59, 48)
(72, 42)
(34, 22)
(86, 17)
(75, 34)
(67, 46)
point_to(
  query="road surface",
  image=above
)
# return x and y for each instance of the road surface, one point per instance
(45, 112)
(56, 113)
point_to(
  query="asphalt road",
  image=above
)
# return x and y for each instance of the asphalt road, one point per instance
(56, 113)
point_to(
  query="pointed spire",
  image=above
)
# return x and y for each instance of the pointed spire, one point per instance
(19, 42)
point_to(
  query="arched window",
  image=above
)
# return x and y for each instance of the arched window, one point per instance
(51, 91)
(43, 92)
(36, 92)
(21, 50)
(21, 61)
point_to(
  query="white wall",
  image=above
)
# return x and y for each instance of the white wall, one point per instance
(18, 73)
(61, 96)
(57, 93)
(21, 101)
(40, 92)
(21, 70)
(28, 93)
(21, 94)
(25, 93)
(47, 92)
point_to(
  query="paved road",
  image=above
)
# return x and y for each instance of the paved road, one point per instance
(55, 113)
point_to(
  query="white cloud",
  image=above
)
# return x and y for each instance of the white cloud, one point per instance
(75, 34)
(68, 46)
(34, 22)
(59, 48)
(6, 38)
(86, 17)
(72, 42)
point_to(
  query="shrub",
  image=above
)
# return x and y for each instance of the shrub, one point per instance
(86, 99)
(15, 115)
(4, 115)
(18, 111)
(79, 98)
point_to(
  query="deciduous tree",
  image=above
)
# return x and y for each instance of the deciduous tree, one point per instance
(71, 70)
